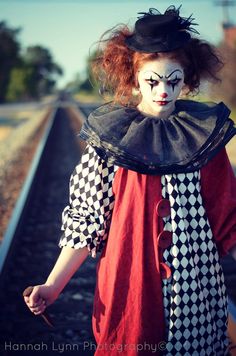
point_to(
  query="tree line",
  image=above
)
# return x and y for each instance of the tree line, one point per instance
(27, 74)
(31, 73)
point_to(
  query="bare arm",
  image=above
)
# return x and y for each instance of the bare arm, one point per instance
(67, 264)
(91, 199)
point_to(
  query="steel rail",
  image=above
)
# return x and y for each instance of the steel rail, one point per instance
(21, 203)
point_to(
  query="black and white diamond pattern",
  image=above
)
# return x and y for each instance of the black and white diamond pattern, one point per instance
(85, 220)
(195, 300)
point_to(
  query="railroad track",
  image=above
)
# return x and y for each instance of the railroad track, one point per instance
(30, 250)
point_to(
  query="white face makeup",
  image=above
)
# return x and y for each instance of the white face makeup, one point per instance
(160, 83)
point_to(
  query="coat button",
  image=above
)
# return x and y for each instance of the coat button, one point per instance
(164, 239)
(165, 270)
(163, 208)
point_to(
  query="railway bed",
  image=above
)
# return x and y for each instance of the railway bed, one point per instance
(34, 252)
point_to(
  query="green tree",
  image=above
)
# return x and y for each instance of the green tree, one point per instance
(44, 70)
(9, 56)
(18, 88)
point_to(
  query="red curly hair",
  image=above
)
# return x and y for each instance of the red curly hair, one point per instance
(116, 66)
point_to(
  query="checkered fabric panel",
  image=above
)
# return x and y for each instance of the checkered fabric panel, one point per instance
(195, 300)
(85, 221)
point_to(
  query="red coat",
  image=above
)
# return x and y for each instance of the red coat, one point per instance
(128, 308)
(219, 198)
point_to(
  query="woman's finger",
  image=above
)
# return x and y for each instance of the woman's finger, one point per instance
(26, 299)
(38, 305)
(34, 296)
(38, 310)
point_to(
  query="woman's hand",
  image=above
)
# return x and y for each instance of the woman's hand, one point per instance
(37, 298)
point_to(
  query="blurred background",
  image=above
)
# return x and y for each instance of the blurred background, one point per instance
(45, 89)
(45, 44)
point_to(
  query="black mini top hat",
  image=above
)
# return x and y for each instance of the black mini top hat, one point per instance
(156, 32)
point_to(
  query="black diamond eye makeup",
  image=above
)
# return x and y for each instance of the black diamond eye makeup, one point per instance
(160, 83)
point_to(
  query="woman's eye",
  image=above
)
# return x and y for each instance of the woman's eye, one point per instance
(152, 81)
(173, 82)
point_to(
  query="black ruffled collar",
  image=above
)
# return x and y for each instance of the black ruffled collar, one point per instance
(183, 142)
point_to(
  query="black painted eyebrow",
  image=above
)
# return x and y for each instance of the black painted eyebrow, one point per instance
(160, 76)
(176, 70)
(167, 76)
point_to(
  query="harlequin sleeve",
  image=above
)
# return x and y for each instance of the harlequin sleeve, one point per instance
(85, 221)
(218, 186)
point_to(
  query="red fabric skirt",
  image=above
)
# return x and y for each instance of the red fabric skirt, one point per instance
(128, 315)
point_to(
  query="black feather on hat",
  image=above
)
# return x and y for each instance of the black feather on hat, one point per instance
(156, 32)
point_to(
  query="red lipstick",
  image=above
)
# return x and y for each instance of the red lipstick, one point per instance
(162, 103)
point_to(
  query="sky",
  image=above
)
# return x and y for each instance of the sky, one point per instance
(69, 28)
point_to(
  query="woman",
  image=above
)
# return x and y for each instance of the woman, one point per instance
(145, 195)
